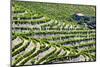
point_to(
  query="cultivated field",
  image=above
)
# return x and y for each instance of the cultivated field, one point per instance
(44, 33)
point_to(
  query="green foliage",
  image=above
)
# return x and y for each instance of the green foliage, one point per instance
(57, 11)
(56, 30)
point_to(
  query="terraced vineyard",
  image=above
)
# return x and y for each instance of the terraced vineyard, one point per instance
(38, 39)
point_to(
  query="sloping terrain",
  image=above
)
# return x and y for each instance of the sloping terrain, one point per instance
(39, 39)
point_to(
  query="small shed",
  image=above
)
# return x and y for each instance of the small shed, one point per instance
(89, 20)
(78, 16)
